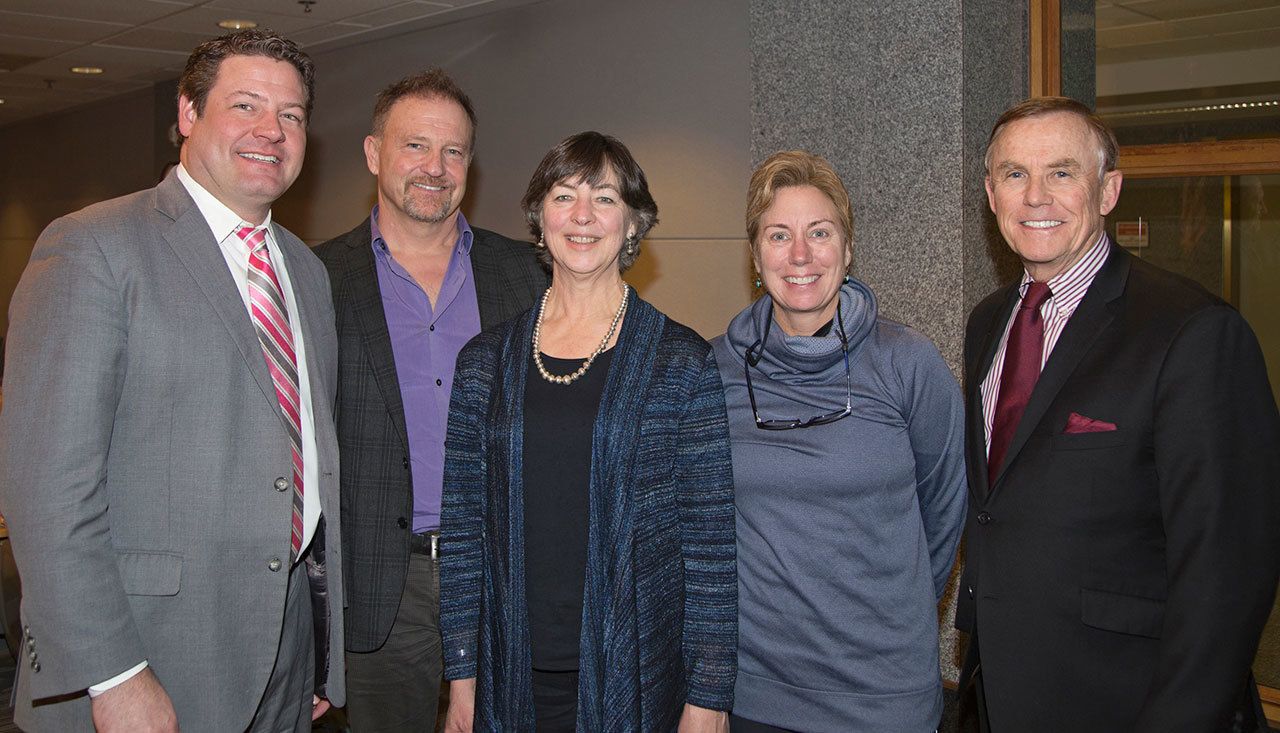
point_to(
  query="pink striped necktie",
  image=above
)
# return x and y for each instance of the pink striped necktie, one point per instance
(270, 318)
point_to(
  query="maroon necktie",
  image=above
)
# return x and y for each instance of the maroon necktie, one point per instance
(1022, 356)
(270, 318)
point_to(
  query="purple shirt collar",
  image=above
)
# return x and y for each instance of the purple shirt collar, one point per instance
(465, 236)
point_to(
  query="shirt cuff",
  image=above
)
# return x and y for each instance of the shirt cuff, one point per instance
(101, 687)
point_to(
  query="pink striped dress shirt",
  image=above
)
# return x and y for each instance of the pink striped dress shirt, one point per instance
(1066, 290)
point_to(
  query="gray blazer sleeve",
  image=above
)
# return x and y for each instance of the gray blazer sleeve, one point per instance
(63, 378)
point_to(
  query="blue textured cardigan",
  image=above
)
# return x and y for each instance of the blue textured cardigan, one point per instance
(659, 625)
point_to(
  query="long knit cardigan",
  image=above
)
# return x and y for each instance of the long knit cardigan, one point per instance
(659, 624)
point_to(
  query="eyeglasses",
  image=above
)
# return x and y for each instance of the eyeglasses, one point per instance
(756, 351)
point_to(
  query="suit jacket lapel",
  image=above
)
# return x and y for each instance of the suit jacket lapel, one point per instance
(360, 287)
(977, 453)
(1091, 317)
(191, 240)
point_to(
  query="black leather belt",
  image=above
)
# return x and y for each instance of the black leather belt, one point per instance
(425, 543)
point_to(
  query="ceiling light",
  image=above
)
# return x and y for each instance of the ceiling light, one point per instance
(1, 101)
(235, 24)
(91, 70)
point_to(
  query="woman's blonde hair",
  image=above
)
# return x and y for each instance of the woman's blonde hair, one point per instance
(796, 168)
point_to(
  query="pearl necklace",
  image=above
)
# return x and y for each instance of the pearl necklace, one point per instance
(570, 378)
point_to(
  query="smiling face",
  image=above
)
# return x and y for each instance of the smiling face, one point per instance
(421, 158)
(585, 226)
(247, 147)
(802, 258)
(1045, 190)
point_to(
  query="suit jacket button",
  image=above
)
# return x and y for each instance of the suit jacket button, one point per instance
(984, 518)
(282, 484)
(402, 523)
(274, 565)
(406, 463)
(969, 590)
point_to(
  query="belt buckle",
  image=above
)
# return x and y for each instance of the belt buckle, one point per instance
(435, 546)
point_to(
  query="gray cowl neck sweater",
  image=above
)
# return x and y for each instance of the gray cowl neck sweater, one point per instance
(846, 531)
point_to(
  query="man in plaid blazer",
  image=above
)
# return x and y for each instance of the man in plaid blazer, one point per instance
(411, 285)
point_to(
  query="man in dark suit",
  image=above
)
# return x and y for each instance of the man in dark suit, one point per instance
(1123, 457)
(167, 445)
(411, 285)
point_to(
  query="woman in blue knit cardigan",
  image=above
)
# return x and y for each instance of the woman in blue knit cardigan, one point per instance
(601, 485)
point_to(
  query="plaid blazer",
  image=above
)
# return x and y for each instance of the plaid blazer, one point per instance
(376, 486)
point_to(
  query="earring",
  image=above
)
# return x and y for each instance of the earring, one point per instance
(758, 283)
(541, 243)
(631, 246)
(847, 279)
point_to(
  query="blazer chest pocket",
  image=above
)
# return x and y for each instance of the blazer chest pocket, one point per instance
(1124, 614)
(1088, 441)
(150, 573)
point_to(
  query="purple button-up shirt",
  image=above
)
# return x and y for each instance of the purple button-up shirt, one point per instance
(426, 342)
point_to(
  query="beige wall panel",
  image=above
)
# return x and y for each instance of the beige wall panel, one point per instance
(702, 283)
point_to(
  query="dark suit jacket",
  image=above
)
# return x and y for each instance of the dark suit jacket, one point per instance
(377, 493)
(1119, 581)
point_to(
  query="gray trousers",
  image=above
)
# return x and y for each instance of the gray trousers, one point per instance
(396, 687)
(286, 704)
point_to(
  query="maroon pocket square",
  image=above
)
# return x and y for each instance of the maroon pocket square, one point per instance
(1077, 423)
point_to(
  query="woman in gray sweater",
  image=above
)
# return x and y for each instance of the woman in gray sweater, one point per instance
(847, 436)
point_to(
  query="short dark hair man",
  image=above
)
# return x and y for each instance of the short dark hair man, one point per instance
(411, 285)
(1121, 552)
(167, 444)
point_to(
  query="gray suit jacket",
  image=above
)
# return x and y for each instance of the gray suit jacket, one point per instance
(139, 445)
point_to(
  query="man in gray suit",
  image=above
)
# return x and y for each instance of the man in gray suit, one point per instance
(167, 446)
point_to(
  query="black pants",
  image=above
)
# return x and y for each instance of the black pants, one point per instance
(555, 701)
(394, 689)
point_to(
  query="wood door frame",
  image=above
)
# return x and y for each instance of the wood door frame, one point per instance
(1209, 158)
(1045, 46)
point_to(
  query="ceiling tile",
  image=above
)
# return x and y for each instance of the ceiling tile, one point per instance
(400, 13)
(1136, 35)
(24, 80)
(1115, 17)
(324, 10)
(202, 19)
(41, 98)
(141, 42)
(161, 40)
(151, 76)
(1267, 19)
(328, 32)
(118, 11)
(61, 29)
(37, 47)
(1225, 23)
(116, 63)
(1189, 47)
(1177, 9)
